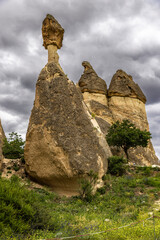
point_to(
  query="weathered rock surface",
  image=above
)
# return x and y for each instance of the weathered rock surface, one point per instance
(62, 143)
(125, 100)
(94, 90)
(2, 136)
(123, 85)
(52, 32)
(90, 82)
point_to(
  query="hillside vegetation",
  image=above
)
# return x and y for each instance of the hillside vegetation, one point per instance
(28, 213)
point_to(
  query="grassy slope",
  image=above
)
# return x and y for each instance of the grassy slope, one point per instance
(38, 214)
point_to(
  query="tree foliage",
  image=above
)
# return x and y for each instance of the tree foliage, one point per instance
(117, 165)
(126, 135)
(13, 147)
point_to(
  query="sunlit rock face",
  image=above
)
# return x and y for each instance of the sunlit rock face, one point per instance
(64, 142)
(2, 136)
(123, 100)
(127, 101)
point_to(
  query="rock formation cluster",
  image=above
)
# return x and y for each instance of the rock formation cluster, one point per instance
(124, 100)
(66, 134)
(64, 142)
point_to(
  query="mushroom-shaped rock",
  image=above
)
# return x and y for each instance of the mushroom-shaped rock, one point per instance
(90, 81)
(94, 91)
(123, 85)
(52, 32)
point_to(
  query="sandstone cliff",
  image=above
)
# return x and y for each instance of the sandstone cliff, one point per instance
(123, 100)
(64, 142)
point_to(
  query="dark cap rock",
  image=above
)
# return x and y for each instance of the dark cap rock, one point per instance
(52, 32)
(123, 85)
(90, 81)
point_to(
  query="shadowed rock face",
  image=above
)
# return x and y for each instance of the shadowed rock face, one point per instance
(123, 85)
(90, 82)
(62, 142)
(52, 32)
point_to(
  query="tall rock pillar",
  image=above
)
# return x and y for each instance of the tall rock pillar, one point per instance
(63, 141)
(127, 101)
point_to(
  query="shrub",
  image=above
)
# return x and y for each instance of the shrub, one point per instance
(13, 147)
(117, 165)
(101, 190)
(87, 186)
(21, 210)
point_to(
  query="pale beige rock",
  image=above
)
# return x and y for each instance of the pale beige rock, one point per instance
(127, 101)
(94, 90)
(129, 108)
(52, 54)
(101, 98)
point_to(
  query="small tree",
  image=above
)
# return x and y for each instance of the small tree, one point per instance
(126, 135)
(13, 147)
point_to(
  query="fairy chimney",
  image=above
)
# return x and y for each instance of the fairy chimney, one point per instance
(52, 33)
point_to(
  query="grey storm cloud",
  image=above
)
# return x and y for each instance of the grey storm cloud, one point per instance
(112, 35)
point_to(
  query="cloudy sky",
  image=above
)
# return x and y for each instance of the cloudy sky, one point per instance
(110, 34)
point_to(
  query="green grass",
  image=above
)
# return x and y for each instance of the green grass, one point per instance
(40, 214)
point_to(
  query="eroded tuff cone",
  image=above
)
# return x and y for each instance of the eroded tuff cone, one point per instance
(2, 136)
(63, 142)
(127, 101)
(94, 90)
(90, 82)
(123, 85)
(52, 32)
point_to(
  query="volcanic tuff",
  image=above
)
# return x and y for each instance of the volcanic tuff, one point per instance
(68, 123)
(124, 100)
(63, 141)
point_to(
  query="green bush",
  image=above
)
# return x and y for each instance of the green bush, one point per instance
(22, 211)
(87, 186)
(101, 190)
(117, 165)
(13, 147)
